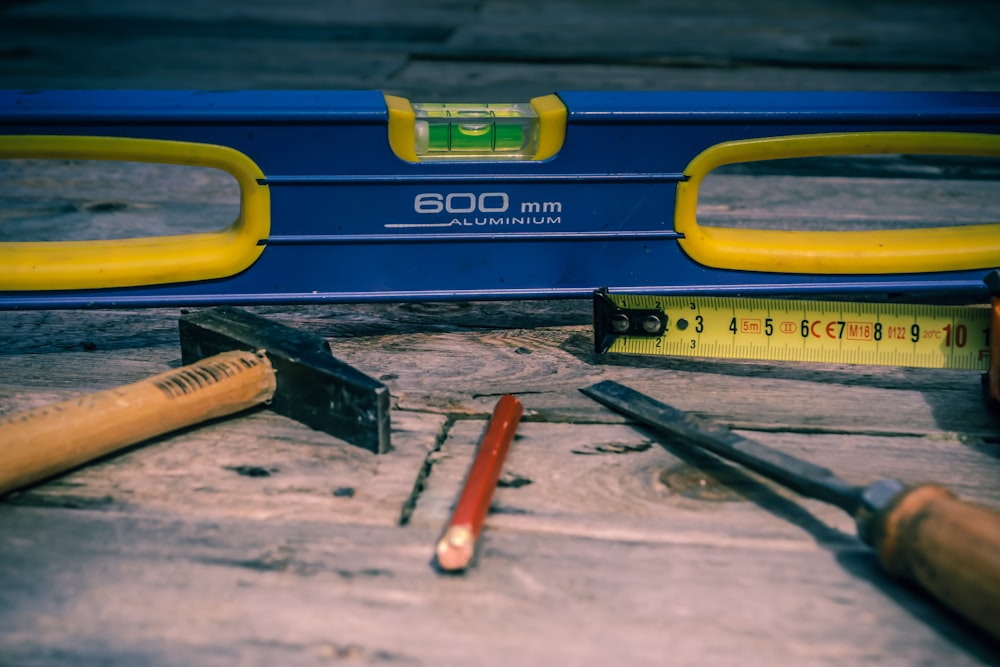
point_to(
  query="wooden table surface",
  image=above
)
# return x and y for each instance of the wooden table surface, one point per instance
(257, 541)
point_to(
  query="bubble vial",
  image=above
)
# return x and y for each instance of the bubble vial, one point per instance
(475, 131)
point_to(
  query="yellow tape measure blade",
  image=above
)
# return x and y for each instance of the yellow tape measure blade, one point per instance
(882, 334)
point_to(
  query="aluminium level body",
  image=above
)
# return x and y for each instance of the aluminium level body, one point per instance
(335, 211)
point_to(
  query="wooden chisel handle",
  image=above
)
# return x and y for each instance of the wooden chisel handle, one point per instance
(41, 442)
(950, 547)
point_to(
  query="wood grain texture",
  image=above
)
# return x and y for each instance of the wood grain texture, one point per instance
(551, 364)
(577, 479)
(509, 49)
(261, 466)
(368, 595)
(257, 541)
(602, 480)
(699, 33)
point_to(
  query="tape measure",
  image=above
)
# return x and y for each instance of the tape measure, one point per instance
(886, 334)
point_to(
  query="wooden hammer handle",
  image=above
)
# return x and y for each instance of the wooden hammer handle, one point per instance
(950, 547)
(41, 442)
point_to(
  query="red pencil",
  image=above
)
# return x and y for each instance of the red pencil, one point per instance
(455, 549)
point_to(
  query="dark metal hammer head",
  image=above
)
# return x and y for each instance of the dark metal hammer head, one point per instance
(313, 386)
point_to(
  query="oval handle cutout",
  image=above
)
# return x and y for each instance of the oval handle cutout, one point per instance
(137, 261)
(921, 250)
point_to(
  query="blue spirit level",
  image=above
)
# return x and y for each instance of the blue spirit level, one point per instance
(359, 196)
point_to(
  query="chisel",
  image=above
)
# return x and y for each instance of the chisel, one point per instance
(922, 533)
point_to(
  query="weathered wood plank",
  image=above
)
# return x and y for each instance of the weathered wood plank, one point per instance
(889, 35)
(369, 594)
(509, 49)
(423, 78)
(618, 482)
(59, 200)
(463, 371)
(356, 12)
(256, 541)
(916, 36)
(841, 203)
(258, 465)
(179, 63)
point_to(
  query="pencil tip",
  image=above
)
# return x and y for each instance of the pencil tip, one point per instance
(454, 550)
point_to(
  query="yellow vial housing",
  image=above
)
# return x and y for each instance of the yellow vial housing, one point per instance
(422, 132)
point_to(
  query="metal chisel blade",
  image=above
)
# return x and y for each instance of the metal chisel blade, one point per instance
(801, 476)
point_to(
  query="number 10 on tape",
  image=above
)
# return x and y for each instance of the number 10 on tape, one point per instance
(889, 334)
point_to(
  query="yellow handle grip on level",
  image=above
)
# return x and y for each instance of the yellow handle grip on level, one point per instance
(49, 265)
(833, 252)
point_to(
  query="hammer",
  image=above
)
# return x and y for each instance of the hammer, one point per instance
(234, 360)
